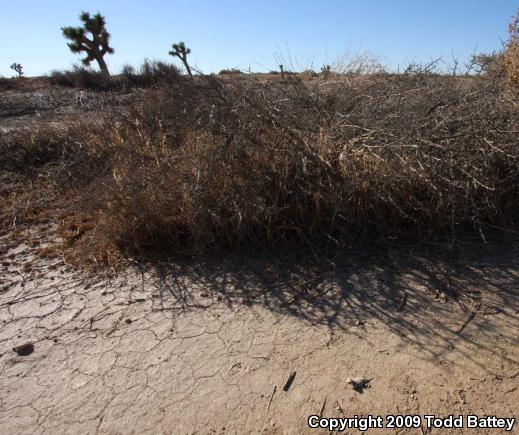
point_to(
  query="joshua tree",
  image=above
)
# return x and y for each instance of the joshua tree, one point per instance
(96, 46)
(18, 68)
(326, 69)
(180, 51)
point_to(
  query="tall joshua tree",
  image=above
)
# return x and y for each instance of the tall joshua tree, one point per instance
(96, 46)
(180, 51)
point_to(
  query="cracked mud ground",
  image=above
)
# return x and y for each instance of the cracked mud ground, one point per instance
(201, 349)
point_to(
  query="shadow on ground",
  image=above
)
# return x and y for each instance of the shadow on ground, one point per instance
(437, 302)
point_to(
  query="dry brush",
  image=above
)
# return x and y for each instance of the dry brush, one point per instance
(321, 162)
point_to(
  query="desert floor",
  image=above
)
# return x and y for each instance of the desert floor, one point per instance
(208, 348)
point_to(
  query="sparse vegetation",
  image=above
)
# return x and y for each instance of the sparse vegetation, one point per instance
(95, 47)
(150, 73)
(80, 77)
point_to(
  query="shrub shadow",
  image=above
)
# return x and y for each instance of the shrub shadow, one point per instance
(435, 301)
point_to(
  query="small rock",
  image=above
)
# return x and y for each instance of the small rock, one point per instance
(24, 349)
(128, 321)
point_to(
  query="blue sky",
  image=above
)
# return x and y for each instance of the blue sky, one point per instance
(234, 33)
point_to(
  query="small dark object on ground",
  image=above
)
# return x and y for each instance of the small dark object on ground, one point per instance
(289, 381)
(24, 349)
(403, 303)
(358, 384)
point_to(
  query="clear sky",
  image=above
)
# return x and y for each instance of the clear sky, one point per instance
(243, 33)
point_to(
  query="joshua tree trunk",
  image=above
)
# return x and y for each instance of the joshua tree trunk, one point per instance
(102, 65)
(188, 69)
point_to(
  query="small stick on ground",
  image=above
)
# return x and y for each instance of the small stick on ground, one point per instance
(466, 322)
(339, 408)
(289, 381)
(271, 397)
(322, 407)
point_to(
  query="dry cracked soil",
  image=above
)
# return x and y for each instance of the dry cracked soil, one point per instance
(208, 348)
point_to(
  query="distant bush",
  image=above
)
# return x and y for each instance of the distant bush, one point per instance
(150, 73)
(310, 73)
(488, 63)
(230, 71)
(6, 83)
(81, 77)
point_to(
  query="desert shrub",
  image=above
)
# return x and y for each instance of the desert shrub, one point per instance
(6, 83)
(355, 64)
(310, 73)
(150, 73)
(230, 71)
(490, 64)
(511, 54)
(211, 163)
(25, 151)
(81, 77)
(41, 169)
(412, 156)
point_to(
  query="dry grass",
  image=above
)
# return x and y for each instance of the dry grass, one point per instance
(309, 161)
